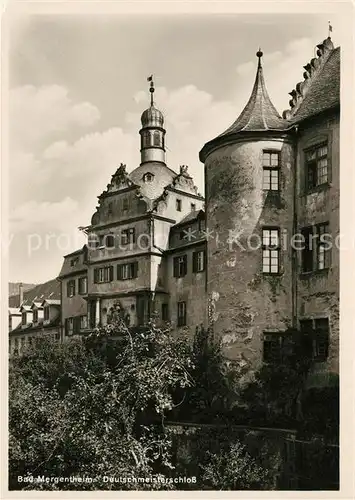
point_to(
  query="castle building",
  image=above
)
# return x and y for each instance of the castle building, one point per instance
(146, 245)
(272, 196)
(256, 259)
(32, 313)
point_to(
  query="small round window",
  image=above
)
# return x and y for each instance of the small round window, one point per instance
(148, 177)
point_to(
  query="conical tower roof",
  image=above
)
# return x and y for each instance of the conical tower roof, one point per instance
(259, 115)
(259, 112)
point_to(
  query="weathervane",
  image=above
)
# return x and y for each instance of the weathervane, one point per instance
(151, 88)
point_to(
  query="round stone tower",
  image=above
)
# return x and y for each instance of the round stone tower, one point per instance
(249, 176)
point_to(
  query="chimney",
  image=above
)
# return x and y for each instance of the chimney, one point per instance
(20, 293)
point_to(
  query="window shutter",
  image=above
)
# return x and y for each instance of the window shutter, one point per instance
(119, 272)
(66, 326)
(204, 260)
(95, 275)
(74, 287)
(133, 235)
(111, 273)
(176, 267)
(194, 262)
(68, 289)
(135, 269)
(185, 264)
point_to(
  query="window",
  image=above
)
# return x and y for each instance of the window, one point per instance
(323, 248)
(125, 205)
(198, 261)
(307, 251)
(93, 240)
(181, 314)
(271, 251)
(24, 318)
(193, 207)
(180, 266)
(178, 205)
(110, 209)
(156, 138)
(316, 166)
(46, 313)
(273, 347)
(69, 326)
(83, 285)
(35, 316)
(128, 236)
(127, 271)
(83, 322)
(71, 288)
(164, 312)
(316, 338)
(145, 139)
(148, 177)
(321, 341)
(271, 171)
(201, 225)
(103, 274)
(74, 261)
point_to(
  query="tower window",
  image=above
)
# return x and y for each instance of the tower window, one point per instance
(178, 205)
(145, 139)
(156, 138)
(148, 177)
(271, 251)
(271, 171)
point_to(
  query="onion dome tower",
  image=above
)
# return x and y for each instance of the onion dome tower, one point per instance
(152, 132)
(249, 188)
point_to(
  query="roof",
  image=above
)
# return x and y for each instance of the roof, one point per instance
(51, 302)
(195, 214)
(162, 177)
(50, 290)
(14, 311)
(259, 112)
(324, 91)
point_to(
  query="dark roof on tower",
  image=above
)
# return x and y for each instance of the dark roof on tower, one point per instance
(259, 112)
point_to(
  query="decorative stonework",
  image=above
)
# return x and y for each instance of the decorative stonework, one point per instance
(312, 70)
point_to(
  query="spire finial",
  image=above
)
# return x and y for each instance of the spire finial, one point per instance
(259, 54)
(151, 88)
(330, 29)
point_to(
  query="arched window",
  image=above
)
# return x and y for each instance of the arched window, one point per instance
(148, 177)
(156, 138)
(145, 139)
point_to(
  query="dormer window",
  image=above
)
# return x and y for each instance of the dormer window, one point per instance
(24, 318)
(148, 177)
(35, 316)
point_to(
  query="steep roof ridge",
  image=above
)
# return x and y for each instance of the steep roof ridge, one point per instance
(310, 75)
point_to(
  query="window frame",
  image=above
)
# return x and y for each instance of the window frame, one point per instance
(46, 313)
(280, 338)
(270, 167)
(180, 266)
(317, 337)
(195, 261)
(128, 236)
(106, 272)
(165, 311)
(319, 232)
(71, 288)
(312, 167)
(35, 316)
(80, 288)
(271, 248)
(131, 274)
(181, 319)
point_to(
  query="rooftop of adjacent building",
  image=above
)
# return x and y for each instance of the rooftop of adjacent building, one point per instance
(48, 290)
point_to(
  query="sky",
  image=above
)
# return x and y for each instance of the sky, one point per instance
(78, 85)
